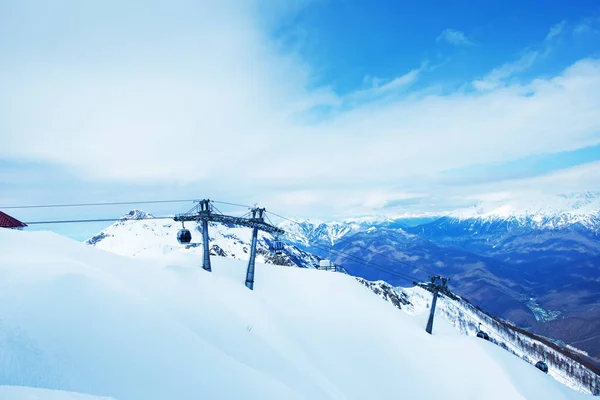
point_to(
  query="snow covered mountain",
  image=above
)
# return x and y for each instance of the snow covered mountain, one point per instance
(541, 212)
(576, 212)
(82, 320)
(306, 233)
(550, 230)
(310, 233)
(139, 234)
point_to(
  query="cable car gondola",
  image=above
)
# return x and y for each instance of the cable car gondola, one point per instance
(184, 236)
(482, 334)
(276, 247)
(542, 366)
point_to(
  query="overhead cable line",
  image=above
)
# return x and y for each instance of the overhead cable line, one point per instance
(74, 221)
(116, 203)
(358, 259)
(393, 259)
(386, 256)
(231, 204)
(371, 264)
(352, 257)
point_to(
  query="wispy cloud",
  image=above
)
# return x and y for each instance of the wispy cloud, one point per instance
(587, 25)
(401, 81)
(499, 76)
(556, 30)
(377, 87)
(580, 178)
(454, 37)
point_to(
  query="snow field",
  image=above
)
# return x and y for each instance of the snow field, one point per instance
(79, 319)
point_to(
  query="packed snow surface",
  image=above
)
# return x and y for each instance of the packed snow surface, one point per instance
(78, 319)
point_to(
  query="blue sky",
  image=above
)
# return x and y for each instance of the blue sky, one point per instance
(312, 108)
(350, 40)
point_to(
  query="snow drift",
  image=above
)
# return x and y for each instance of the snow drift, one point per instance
(78, 319)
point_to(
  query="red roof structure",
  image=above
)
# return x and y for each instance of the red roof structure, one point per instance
(6, 221)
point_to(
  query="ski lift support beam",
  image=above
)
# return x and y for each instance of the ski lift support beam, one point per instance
(204, 212)
(437, 286)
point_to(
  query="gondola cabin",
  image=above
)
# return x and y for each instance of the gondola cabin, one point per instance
(184, 236)
(277, 247)
(483, 335)
(542, 366)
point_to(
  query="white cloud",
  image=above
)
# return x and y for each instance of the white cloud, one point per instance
(575, 179)
(202, 97)
(400, 81)
(586, 26)
(580, 178)
(556, 30)
(454, 37)
(499, 75)
(378, 199)
(380, 87)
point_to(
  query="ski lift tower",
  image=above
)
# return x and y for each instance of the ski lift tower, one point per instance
(437, 286)
(206, 212)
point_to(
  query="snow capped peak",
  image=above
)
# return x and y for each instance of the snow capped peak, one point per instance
(555, 211)
(139, 234)
(307, 232)
(135, 215)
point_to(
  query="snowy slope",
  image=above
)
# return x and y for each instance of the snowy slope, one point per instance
(468, 320)
(78, 319)
(140, 235)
